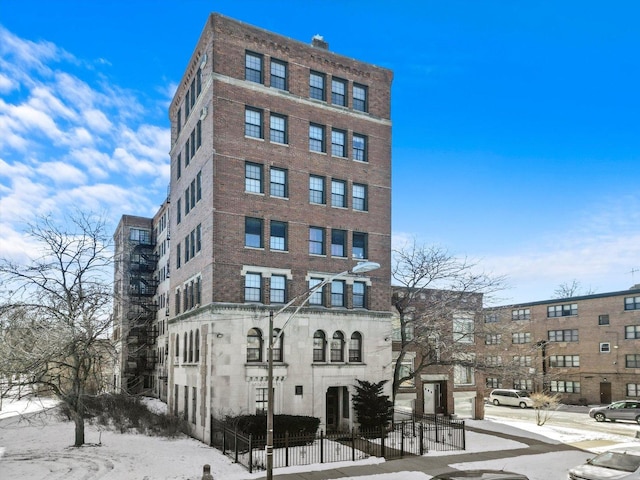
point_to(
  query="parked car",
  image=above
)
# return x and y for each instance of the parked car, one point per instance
(480, 475)
(621, 463)
(622, 410)
(514, 398)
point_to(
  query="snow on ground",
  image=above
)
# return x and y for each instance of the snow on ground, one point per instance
(34, 446)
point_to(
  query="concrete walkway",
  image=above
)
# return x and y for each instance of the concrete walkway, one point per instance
(433, 465)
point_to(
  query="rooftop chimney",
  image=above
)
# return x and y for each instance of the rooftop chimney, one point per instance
(318, 42)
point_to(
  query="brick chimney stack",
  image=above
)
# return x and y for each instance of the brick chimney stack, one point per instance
(318, 42)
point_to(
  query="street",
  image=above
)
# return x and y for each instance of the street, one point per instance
(570, 416)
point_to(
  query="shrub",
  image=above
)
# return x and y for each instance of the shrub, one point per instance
(294, 425)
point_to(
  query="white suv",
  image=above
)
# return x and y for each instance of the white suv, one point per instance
(514, 398)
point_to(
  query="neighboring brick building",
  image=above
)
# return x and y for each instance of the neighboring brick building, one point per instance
(280, 178)
(585, 348)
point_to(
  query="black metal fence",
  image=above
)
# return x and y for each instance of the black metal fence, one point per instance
(415, 435)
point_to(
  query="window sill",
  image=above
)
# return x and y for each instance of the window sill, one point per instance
(249, 137)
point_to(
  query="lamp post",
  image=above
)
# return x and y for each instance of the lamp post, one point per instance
(361, 267)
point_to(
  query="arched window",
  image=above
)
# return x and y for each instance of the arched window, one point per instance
(277, 346)
(355, 347)
(254, 345)
(191, 346)
(177, 346)
(185, 350)
(337, 347)
(319, 346)
(196, 357)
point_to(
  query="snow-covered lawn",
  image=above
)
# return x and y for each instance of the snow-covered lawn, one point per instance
(38, 447)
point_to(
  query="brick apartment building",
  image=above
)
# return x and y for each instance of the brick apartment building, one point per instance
(585, 348)
(280, 178)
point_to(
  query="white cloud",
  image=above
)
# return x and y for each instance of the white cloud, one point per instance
(62, 173)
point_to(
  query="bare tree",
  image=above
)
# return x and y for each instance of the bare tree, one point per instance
(438, 298)
(573, 289)
(55, 314)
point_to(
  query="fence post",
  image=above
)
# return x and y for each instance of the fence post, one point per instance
(435, 421)
(286, 448)
(382, 437)
(402, 440)
(235, 441)
(464, 437)
(321, 447)
(224, 439)
(206, 472)
(251, 453)
(353, 444)
(421, 428)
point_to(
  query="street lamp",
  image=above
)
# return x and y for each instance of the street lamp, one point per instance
(361, 267)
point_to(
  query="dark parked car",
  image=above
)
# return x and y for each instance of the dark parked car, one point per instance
(622, 410)
(480, 475)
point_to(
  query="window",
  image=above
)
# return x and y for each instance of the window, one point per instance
(316, 138)
(278, 340)
(632, 303)
(316, 241)
(278, 128)
(278, 237)
(463, 372)
(190, 346)
(338, 193)
(491, 318)
(359, 146)
(177, 346)
(338, 143)
(339, 92)
(196, 354)
(316, 297)
(186, 403)
(253, 177)
(316, 189)
(278, 182)
(140, 236)
(262, 401)
(253, 67)
(521, 314)
(199, 186)
(603, 319)
(253, 122)
(252, 287)
(563, 335)
(278, 289)
(278, 74)
(194, 402)
(355, 347)
(631, 332)
(523, 384)
(253, 232)
(198, 238)
(337, 347)
(521, 337)
(179, 211)
(632, 361)
(359, 200)
(185, 350)
(319, 346)
(564, 361)
(360, 98)
(316, 85)
(178, 257)
(359, 245)
(633, 389)
(493, 361)
(493, 382)
(254, 345)
(337, 293)
(179, 166)
(359, 291)
(338, 243)
(179, 122)
(561, 386)
(562, 310)
(463, 328)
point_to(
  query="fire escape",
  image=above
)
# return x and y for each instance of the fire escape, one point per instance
(141, 316)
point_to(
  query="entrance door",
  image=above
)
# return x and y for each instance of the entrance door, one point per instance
(430, 397)
(605, 393)
(332, 410)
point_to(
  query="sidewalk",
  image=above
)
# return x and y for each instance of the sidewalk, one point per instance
(518, 443)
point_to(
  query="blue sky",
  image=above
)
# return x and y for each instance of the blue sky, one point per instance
(515, 124)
